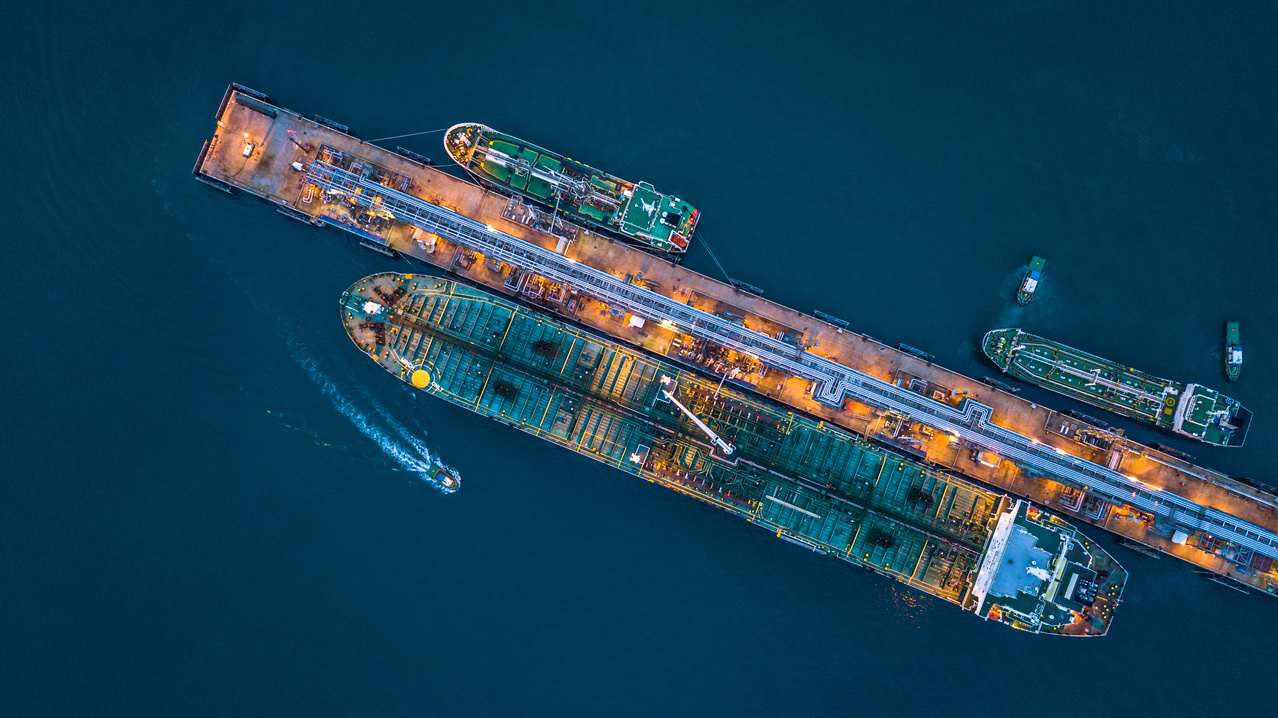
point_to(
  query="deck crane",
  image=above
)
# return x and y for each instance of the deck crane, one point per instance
(718, 441)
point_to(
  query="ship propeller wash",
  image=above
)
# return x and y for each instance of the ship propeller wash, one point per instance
(812, 485)
(1190, 410)
(636, 212)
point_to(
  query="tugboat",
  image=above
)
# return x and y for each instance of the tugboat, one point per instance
(443, 475)
(1233, 351)
(1030, 282)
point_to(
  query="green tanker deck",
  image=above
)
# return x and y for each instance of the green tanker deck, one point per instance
(634, 211)
(809, 483)
(1190, 410)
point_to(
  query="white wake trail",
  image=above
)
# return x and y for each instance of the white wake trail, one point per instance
(404, 432)
(408, 450)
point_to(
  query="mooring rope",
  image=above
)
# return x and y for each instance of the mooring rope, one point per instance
(410, 134)
(709, 251)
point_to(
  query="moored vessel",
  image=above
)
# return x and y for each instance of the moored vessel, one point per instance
(812, 485)
(1233, 351)
(634, 211)
(1191, 410)
(1029, 284)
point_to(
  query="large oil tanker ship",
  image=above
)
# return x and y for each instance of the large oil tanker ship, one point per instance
(1190, 410)
(815, 486)
(637, 212)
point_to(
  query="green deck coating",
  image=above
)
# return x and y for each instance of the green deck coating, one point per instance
(1191, 410)
(1233, 351)
(811, 484)
(636, 211)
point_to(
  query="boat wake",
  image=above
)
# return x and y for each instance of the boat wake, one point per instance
(395, 440)
(1039, 312)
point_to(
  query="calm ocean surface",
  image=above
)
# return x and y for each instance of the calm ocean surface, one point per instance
(207, 495)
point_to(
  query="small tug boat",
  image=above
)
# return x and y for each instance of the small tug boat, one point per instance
(1233, 351)
(1030, 283)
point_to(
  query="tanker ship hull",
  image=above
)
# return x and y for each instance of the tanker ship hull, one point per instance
(1190, 410)
(810, 484)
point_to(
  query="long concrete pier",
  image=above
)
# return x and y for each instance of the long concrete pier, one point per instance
(396, 202)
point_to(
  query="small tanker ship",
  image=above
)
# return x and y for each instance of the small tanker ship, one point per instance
(809, 483)
(636, 212)
(1190, 410)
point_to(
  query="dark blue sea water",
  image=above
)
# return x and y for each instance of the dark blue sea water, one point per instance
(207, 495)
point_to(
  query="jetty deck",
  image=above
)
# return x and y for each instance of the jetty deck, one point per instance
(1194, 513)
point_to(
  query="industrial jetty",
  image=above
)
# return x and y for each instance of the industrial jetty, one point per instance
(1190, 410)
(635, 211)
(318, 172)
(811, 484)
